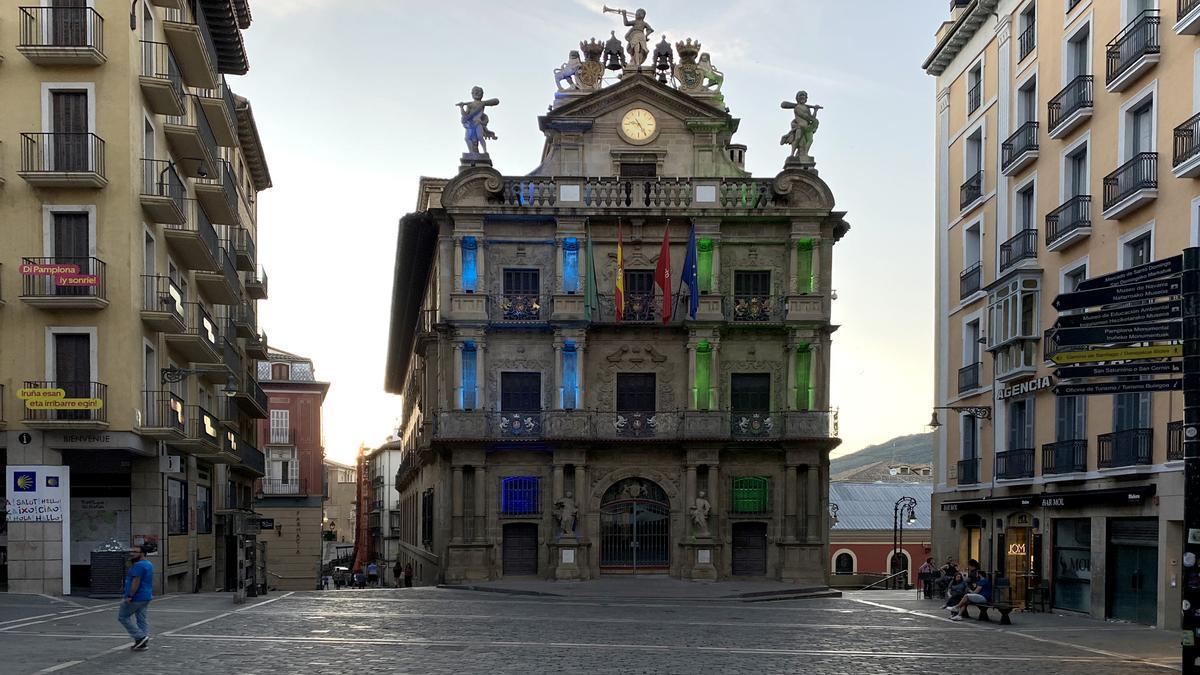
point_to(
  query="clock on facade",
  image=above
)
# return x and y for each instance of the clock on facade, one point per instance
(638, 126)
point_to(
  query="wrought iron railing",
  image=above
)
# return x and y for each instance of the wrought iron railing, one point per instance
(756, 308)
(1074, 215)
(1129, 447)
(1074, 97)
(63, 277)
(199, 323)
(968, 377)
(635, 423)
(1139, 173)
(160, 179)
(1187, 139)
(225, 180)
(616, 425)
(222, 93)
(1023, 140)
(197, 222)
(67, 27)
(159, 63)
(1015, 463)
(250, 388)
(968, 471)
(1027, 41)
(164, 410)
(1185, 7)
(1138, 39)
(1174, 440)
(81, 402)
(975, 97)
(193, 116)
(243, 244)
(251, 457)
(160, 294)
(195, 16)
(971, 191)
(61, 152)
(519, 307)
(1022, 246)
(970, 280)
(1064, 457)
(282, 486)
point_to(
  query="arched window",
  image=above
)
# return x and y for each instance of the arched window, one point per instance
(898, 562)
(843, 564)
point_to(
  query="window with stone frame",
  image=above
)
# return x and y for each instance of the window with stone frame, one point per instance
(177, 507)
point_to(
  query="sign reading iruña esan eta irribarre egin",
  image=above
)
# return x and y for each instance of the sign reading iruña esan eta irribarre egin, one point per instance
(1027, 387)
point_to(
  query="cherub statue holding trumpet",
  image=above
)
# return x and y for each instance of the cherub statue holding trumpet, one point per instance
(637, 38)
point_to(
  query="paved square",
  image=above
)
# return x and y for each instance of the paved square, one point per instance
(429, 630)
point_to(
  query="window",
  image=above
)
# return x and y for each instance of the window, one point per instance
(1013, 312)
(639, 295)
(804, 389)
(1070, 418)
(750, 392)
(522, 282)
(1075, 173)
(638, 170)
(280, 426)
(1028, 27)
(1020, 424)
(177, 507)
(635, 392)
(520, 392)
(843, 564)
(1027, 110)
(71, 149)
(467, 398)
(280, 371)
(1026, 208)
(974, 88)
(470, 266)
(427, 517)
(1072, 563)
(520, 495)
(972, 246)
(974, 153)
(751, 495)
(1137, 252)
(570, 265)
(283, 471)
(1140, 129)
(203, 509)
(752, 284)
(971, 346)
(970, 437)
(1131, 411)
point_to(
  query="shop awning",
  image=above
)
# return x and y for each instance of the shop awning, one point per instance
(1131, 496)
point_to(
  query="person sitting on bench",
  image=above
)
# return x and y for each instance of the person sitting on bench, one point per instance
(958, 589)
(981, 594)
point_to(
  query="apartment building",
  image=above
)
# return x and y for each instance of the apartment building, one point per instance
(564, 416)
(1067, 148)
(337, 521)
(129, 174)
(290, 496)
(387, 523)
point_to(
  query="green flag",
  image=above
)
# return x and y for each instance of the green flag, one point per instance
(591, 302)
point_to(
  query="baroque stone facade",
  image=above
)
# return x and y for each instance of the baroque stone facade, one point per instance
(533, 405)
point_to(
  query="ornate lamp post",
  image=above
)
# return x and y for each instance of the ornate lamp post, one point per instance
(833, 511)
(905, 510)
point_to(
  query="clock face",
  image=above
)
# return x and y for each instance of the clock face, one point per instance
(638, 124)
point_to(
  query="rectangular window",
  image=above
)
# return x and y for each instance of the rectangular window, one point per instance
(1078, 58)
(1077, 172)
(467, 394)
(1020, 424)
(639, 295)
(177, 507)
(570, 265)
(1137, 252)
(1072, 579)
(1131, 411)
(1028, 26)
(751, 494)
(1141, 129)
(701, 394)
(203, 509)
(470, 264)
(804, 266)
(752, 284)
(972, 246)
(974, 153)
(73, 371)
(570, 376)
(520, 495)
(635, 392)
(1027, 108)
(970, 437)
(804, 392)
(750, 392)
(427, 517)
(1070, 423)
(1026, 208)
(974, 88)
(69, 118)
(521, 282)
(280, 426)
(704, 264)
(520, 392)
(638, 170)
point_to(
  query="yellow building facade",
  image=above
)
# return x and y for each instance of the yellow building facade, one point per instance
(1066, 149)
(129, 173)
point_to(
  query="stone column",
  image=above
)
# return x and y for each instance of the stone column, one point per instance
(691, 375)
(793, 261)
(580, 369)
(789, 353)
(480, 505)
(457, 404)
(813, 504)
(558, 373)
(790, 528)
(481, 375)
(559, 286)
(481, 282)
(818, 374)
(456, 501)
(818, 277)
(458, 264)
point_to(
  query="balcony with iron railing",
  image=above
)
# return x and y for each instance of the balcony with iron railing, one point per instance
(746, 308)
(1014, 464)
(970, 192)
(60, 404)
(64, 283)
(974, 97)
(191, 140)
(251, 458)
(1027, 41)
(1133, 185)
(1133, 51)
(281, 487)
(162, 85)
(186, 30)
(518, 308)
(1070, 107)
(245, 252)
(282, 436)
(163, 194)
(1020, 150)
(256, 284)
(968, 471)
(193, 241)
(61, 36)
(218, 195)
(1021, 247)
(62, 159)
(1130, 447)
(199, 341)
(251, 398)
(221, 112)
(244, 320)
(256, 347)
(1187, 17)
(162, 304)
(1174, 441)
(1069, 223)
(1185, 160)
(222, 286)
(1064, 457)
(163, 416)
(968, 377)
(970, 281)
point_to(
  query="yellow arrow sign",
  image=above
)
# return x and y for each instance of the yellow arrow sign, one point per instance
(1118, 354)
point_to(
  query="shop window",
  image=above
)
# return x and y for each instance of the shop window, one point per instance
(520, 495)
(177, 507)
(203, 509)
(751, 495)
(1072, 574)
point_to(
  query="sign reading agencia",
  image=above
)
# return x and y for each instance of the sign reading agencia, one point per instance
(1026, 387)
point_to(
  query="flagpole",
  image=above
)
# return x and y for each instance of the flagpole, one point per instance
(679, 286)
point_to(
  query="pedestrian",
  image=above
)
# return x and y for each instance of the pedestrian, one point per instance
(139, 582)
(926, 575)
(373, 573)
(980, 594)
(408, 575)
(359, 579)
(397, 572)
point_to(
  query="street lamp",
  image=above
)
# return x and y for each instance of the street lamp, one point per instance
(977, 411)
(174, 374)
(833, 510)
(906, 507)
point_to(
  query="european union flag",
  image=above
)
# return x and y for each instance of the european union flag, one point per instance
(51, 481)
(690, 277)
(24, 481)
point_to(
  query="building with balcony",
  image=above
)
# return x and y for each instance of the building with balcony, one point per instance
(292, 491)
(122, 178)
(390, 526)
(1077, 499)
(531, 388)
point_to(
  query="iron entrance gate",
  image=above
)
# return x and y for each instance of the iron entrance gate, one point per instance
(635, 527)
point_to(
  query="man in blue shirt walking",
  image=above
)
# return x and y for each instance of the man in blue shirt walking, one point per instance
(139, 581)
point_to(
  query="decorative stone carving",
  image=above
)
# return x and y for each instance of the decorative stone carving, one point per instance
(689, 76)
(637, 37)
(636, 359)
(568, 72)
(799, 187)
(775, 367)
(755, 257)
(473, 186)
(591, 70)
(566, 511)
(699, 510)
(713, 78)
(496, 366)
(664, 60)
(804, 127)
(475, 121)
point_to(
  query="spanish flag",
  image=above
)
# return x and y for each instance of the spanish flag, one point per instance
(619, 293)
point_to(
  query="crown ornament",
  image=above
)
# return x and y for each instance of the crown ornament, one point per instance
(688, 50)
(592, 50)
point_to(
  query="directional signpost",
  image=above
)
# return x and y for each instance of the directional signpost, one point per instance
(1120, 370)
(1117, 354)
(1136, 387)
(1160, 311)
(1152, 270)
(1106, 335)
(1146, 290)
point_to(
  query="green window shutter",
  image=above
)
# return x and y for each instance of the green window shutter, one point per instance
(751, 494)
(700, 394)
(804, 266)
(704, 270)
(803, 391)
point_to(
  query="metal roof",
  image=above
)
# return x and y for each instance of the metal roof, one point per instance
(871, 506)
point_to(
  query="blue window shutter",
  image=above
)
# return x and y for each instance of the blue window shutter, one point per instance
(570, 378)
(468, 375)
(571, 265)
(470, 273)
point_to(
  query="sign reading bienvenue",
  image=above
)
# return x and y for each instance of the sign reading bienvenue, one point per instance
(1027, 387)
(36, 494)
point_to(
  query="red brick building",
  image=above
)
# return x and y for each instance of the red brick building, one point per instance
(292, 491)
(861, 539)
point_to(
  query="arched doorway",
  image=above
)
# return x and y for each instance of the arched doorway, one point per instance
(635, 532)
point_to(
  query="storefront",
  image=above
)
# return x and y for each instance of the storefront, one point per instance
(1072, 556)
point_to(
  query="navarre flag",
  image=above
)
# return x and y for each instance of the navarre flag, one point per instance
(619, 290)
(591, 301)
(662, 274)
(691, 277)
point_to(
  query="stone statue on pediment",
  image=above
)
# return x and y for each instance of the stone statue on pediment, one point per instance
(638, 35)
(475, 121)
(566, 510)
(700, 509)
(569, 72)
(804, 127)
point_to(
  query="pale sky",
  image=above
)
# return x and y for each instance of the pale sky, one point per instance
(354, 101)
